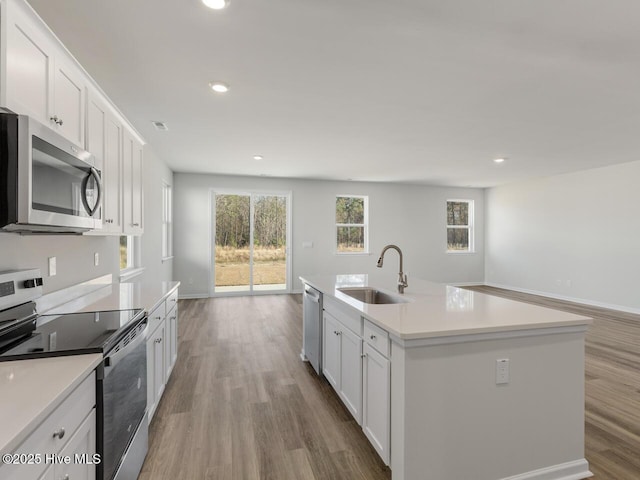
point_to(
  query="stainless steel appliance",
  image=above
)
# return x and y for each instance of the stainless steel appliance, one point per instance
(47, 184)
(121, 389)
(312, 327)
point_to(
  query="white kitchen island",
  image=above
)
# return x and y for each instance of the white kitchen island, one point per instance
(453, 411)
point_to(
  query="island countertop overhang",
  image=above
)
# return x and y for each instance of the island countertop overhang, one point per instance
(434, 310)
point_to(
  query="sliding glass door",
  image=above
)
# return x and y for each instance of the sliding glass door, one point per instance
(250, 250)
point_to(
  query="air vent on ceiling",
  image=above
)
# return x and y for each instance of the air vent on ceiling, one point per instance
(160, 126)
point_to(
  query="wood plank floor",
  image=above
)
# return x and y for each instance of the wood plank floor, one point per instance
(612, 387)
(240, 404)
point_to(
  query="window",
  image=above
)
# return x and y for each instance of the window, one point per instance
(167, 222)
(351, 224)
(127, 252)
(459, 226)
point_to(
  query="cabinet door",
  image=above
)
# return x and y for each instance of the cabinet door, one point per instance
(167, 349)
(376, 413)
(69, 101)
(80, 448)
(173, 336)
(96, 124)
(331, 350)
(351, 372)
(159, 361)
(29, 66)
(112, 176)
(132, 173)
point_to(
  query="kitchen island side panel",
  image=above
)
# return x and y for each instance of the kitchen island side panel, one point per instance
(450, 420)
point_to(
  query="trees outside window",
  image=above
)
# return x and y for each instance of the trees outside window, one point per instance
(459, 226)
(351, 224)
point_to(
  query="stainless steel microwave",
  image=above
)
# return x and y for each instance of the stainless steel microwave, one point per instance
(47, 184)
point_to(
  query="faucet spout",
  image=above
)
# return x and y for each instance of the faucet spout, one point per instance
(402, 278)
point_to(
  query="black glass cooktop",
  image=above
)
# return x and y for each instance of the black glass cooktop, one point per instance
(73, 333)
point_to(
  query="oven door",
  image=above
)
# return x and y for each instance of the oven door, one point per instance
(64, 188)
(124, 398)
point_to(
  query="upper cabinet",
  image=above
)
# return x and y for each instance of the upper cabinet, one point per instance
(40, 78)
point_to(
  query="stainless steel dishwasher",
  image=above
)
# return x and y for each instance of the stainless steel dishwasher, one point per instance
(312, 327)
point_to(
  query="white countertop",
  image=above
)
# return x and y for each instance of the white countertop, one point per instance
(31, 389)
(438, 310)
(120, 296)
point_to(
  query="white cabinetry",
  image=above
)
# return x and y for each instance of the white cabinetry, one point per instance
(104, 141)
(376, 389)
(133, 200)
(70, 429)
(39, 79)
(162, 349)
(341, 358)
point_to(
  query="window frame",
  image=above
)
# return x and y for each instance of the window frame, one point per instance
(134, 258)
(365, 225)
(167, 221)
(470, 226)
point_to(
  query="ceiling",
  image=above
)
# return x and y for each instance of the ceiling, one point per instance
(416, 91)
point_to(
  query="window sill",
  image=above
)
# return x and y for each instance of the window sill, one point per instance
(126, 275)
(361, 254)
(166, 259)
(453, 252)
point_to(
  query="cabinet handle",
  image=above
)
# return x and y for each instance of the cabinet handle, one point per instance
(158, 340)
(59, 122)
(59, 433)
(135, 224)
(372, 337)
(363, 355)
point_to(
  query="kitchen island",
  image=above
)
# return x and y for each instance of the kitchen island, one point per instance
(453, 384)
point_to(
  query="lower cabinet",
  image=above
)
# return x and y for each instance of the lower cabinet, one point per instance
(70, 430)
(162, 350)
(376, 411)
(342, 365)
(359, 370)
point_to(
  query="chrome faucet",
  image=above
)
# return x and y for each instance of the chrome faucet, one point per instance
(402, 278)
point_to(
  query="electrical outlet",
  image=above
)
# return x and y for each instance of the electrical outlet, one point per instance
(52, 266)
(96, 259)
(502, 371)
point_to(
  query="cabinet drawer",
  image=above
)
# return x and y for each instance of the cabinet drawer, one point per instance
(156, 317)
(350, 318)
(376, 337)
(68, 416)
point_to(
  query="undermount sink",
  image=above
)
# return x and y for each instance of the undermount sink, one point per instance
(372, 295)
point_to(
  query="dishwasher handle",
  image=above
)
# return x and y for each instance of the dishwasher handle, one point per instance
(312, 294)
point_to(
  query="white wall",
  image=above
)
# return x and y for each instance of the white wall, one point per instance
(155, 172)
(572, 236)
(410, 216)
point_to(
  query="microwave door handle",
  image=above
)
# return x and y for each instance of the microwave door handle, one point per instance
(93, 173)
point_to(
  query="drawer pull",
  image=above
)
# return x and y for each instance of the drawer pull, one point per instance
(364, 355)
(372, 337)
(59, 433)
(158, 318)
(158, 340)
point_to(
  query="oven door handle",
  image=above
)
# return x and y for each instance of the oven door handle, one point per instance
(113, 359)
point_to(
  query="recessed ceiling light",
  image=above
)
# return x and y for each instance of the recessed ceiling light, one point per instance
(160, 126)
(258, 157)
(219, 87)
(499, 160)
(216, 4)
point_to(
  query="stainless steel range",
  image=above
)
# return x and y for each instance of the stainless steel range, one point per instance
(121, 389)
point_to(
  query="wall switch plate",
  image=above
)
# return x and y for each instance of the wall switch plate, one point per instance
(96, 259)
(52, 266)
(502, 371)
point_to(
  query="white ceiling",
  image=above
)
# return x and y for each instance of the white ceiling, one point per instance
(418, 91)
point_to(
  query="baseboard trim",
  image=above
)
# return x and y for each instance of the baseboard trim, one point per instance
(583, 301)
(576, 470)
(192, 296)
